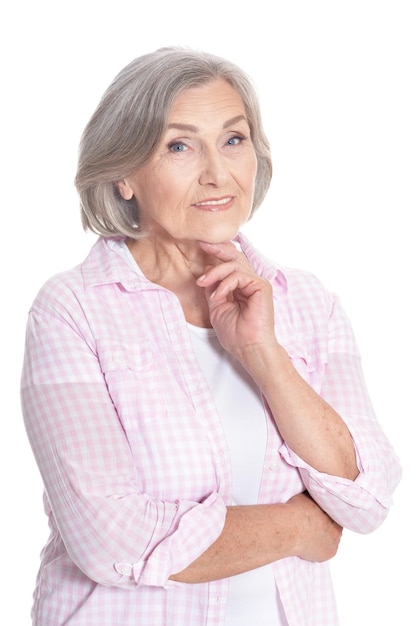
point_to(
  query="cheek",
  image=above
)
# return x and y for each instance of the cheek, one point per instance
(174, 182)
(154, 193)
(248, 172)
(249, 163)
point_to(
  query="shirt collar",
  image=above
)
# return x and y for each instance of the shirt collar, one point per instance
(262, 265)
(105, 266)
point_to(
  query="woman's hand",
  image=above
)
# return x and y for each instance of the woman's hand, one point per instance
(240, 302)
(318, 535)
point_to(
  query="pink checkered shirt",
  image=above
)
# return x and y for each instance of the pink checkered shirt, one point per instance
(134, 459)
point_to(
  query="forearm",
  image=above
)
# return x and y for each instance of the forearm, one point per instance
(257, 535)
(252, 536)
(307, 423)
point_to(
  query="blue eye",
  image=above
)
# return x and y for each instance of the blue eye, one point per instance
(234, 141)
(177, 146)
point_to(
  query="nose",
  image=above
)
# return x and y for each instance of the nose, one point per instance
(214, 169)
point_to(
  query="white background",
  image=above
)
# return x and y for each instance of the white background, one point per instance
(337, 84)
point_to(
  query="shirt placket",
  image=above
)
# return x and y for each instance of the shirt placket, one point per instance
(198, 392)
(217, 602)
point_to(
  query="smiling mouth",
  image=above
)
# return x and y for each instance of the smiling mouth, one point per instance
(215, 204)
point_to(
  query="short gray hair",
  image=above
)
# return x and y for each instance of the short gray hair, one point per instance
(130, 121)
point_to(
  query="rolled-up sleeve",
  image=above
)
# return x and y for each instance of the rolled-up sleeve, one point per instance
(114, 533)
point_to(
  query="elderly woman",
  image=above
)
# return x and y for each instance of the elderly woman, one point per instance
(198, 413)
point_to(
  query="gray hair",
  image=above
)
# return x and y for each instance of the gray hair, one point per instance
(130, 121)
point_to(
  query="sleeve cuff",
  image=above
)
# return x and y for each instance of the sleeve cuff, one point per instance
(194, 529)
(358, 493)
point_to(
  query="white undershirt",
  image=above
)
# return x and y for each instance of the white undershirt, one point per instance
(253, 596)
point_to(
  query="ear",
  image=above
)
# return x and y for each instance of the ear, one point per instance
(124, 189)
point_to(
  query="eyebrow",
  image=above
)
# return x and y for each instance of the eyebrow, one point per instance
(234, 120)
(193, 129)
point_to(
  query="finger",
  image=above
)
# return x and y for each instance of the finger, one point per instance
(237, 283)
(231, 261)
(216, 273)
(225, 288)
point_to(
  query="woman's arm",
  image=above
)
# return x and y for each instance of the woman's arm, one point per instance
(346, 462)
(307, 423)
(241, 310)
(260, 534)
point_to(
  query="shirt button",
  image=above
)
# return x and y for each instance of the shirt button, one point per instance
(274, 467)
(124, 569)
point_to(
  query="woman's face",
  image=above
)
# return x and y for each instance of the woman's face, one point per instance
(200, 181)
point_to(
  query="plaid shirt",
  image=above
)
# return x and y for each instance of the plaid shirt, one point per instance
(134, 459)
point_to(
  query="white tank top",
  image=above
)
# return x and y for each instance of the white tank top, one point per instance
(253, 596)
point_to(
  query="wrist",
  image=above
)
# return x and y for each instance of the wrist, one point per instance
(266, 363)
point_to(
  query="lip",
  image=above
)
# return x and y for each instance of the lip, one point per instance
(215, 204)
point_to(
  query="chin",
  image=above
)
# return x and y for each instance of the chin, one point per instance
(220, 235)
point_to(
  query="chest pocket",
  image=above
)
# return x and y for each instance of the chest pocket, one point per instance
(115, 355)
(130, 374)
(165, 437)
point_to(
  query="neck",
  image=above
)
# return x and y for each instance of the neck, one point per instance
(176, 268)
(160, 260)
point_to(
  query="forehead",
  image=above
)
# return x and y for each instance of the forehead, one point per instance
(215, 99)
